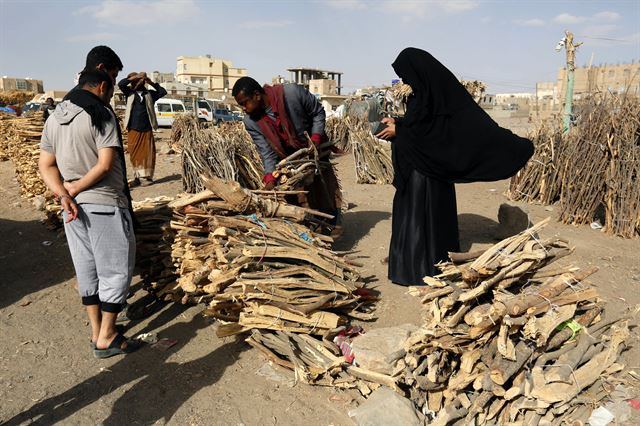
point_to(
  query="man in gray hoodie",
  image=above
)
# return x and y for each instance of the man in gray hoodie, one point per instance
(79, 162)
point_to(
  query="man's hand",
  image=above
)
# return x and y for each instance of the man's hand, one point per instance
(390, 131)
(269, 182)
(71, 188)
(70, 207)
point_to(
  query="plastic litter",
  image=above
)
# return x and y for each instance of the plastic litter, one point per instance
(149, 338)
(600, 417)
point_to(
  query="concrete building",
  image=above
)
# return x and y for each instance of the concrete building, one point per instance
(162, 77)
(216, 74)
(617, 78)
(323, 87)
(21, 84)
(304, 76)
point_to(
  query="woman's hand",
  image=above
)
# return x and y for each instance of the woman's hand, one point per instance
(388, 132)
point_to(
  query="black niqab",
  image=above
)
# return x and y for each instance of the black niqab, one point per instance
(445, 134)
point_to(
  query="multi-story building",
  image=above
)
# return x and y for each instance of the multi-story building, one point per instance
(162, 77)
(21, 84)
(218, 75)
(304, 76)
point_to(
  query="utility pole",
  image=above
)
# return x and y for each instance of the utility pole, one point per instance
(570, 49)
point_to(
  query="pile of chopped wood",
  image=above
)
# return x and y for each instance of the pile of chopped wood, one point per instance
(225, 151)
(594, 167)
(20, 142)
(254, 260)
(509, 338)
(372, 156)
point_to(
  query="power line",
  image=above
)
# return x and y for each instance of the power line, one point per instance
(622, 40)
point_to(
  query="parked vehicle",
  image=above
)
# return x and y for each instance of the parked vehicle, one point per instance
(167, 110)
(205, 113)
(221, 115)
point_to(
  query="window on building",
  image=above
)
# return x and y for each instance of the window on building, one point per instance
(188, 92)
(21, 85)
(200, 93)
(184, 67)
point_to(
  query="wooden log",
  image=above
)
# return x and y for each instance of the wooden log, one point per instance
(503, 369)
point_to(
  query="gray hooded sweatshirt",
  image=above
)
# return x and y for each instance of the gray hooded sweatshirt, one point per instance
(69, 135)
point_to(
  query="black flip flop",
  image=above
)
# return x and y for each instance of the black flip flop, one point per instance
(120, 329)
(115, 347)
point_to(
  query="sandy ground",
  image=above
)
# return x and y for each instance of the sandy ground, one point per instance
(48, 373)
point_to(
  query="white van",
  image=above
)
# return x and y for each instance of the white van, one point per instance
(166, 111)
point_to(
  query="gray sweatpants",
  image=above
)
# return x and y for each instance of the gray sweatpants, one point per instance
(103, 249)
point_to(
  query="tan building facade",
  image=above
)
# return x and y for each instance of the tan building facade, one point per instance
(216, 74)
(619, 78)
(21, 84)
(323, 87)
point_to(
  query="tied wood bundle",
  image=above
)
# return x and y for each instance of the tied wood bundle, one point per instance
(257, 265)
(153, 241)
(372, 156)
(595, 167)
(337, 130)
(225, 151)
(509, 340)
(401, 91)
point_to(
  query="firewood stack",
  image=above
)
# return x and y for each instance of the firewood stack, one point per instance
(255, 262)
(153, 241)
(20, 141)
(225, 151)
(372, 156)
(510, 338)
(594, 167)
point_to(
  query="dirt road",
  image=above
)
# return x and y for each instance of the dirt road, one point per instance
(48, 373)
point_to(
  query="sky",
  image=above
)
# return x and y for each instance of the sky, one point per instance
(507, 44)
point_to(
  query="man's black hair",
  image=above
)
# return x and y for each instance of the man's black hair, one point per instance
(93, 77)
(103, 55)
(246, 85)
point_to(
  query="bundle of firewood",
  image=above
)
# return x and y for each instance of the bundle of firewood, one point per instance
(253, 259)
(594, 167)
(153, 241)
(225, 151)
(510, 338)
(475, 88)
(337, 130)
(372, 156)
(401, 91)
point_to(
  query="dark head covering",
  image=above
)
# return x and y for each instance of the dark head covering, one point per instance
(445, 134)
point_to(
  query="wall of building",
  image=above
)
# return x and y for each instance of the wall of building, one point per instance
(216, 74)
(21, 84)
(323, 87)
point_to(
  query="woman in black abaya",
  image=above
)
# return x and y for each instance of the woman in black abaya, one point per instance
(444, 138)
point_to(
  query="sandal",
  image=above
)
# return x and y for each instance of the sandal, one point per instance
(115, 348)
(120, 329)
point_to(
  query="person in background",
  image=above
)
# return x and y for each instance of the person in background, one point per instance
(79, 163)
(277, 118)
(444, 138)
(48, 108)
(140, 121)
